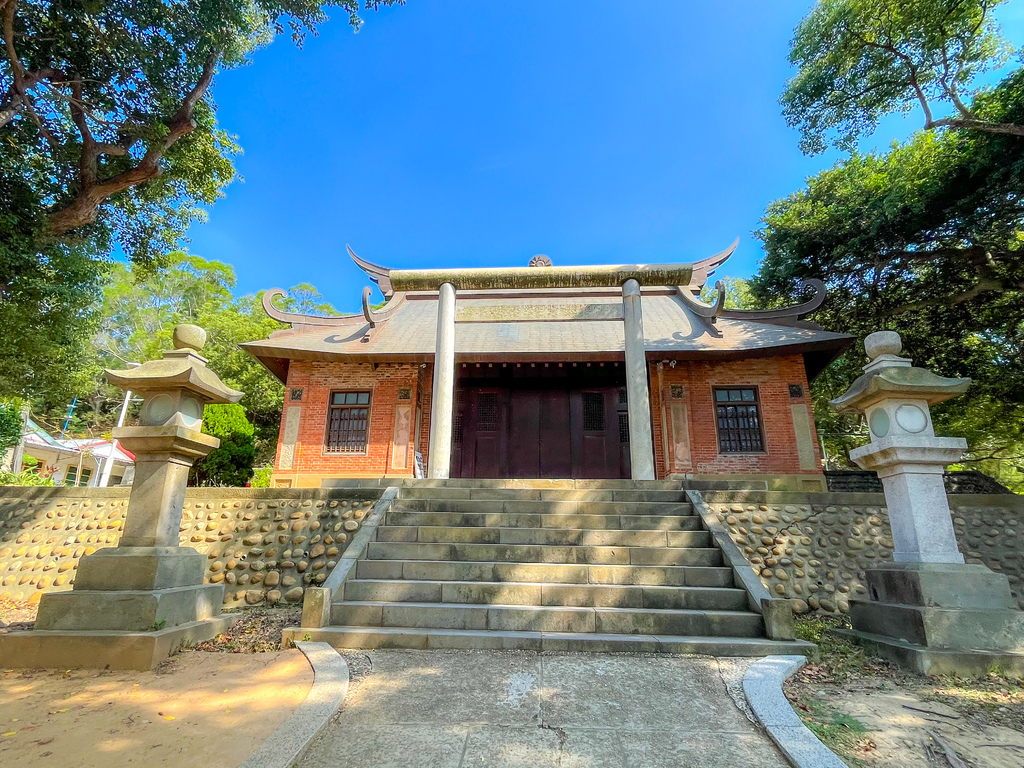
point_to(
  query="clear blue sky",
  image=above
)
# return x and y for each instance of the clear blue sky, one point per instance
(461, 133)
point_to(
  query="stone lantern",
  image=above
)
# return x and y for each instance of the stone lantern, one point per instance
(928, 609)
(134, 604)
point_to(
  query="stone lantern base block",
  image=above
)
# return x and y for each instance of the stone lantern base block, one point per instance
(129, 610)
(936, 662)
(119, 568)
(103, 649)
(940, 585)
(939, 618)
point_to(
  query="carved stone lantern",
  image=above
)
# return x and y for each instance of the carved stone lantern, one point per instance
(928, 609)
(904, 451)
(168, 439)
(134, 604)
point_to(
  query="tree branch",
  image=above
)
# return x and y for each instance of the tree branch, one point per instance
(982, 286)
(1010, 129)
(85, 207)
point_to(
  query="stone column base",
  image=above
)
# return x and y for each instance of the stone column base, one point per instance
(940, 618)
(104, 649)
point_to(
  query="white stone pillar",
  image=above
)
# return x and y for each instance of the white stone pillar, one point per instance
(442, 398)
(641, 443)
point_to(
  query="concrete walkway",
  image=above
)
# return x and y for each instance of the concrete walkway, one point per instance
(458, 709)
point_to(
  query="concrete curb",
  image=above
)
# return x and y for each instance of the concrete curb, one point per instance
(762, 684)
(330, 684)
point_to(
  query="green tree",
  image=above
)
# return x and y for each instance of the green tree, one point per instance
(109, 138)
(141, 307)
(10, 426)
(925, 239)
(230, 464)
(858, 60)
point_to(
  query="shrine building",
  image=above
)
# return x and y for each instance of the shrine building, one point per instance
(549, 372)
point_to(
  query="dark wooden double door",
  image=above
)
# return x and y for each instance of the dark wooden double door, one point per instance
(542, 427)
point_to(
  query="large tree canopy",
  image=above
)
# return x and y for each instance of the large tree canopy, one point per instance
(139, 312)
(858, 60)
(108, 138)
(925, 239)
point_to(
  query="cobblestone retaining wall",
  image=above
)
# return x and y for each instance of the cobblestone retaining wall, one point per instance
(264, 545)
(814, 548)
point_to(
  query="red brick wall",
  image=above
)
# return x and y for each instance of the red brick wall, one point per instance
(317, 380)
(772, 376)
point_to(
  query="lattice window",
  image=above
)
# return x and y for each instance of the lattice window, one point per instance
(593, 412)
(739, 421)
(623, 397)
(487, 414)
(623, 428)
(347, 422)
(457, 429)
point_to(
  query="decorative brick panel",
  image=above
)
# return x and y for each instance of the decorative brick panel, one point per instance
(696, 381)
(318, 380)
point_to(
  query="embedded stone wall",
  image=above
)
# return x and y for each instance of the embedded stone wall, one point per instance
(264, 545)
(814, 548)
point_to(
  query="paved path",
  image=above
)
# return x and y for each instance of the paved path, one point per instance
(436, 709)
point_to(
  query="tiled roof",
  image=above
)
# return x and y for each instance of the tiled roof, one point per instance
(514, 331)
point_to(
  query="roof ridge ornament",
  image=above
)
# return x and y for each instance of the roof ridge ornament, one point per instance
(385, 277)
(381, 276)
(295, 318)
(794, 312)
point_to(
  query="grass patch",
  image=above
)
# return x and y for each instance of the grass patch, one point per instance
(841, 733)
(841, 657)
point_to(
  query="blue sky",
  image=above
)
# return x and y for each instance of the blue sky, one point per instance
(459, 133)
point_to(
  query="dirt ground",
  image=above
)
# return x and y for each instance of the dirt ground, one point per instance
(197, 709)
(873, 714)
(209, 706)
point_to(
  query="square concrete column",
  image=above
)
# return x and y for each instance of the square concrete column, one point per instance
(442, 399)
(641, 443)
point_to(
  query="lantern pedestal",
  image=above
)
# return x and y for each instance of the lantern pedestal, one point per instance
(928, 610)
(133, 605)
(941, 619)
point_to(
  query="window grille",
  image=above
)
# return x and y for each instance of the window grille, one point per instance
(487, 415)
(457, 429)
(593, 412)
(347, 422)
(739, 421)
(623, 428)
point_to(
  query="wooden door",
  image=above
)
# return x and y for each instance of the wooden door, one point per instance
(536, 427)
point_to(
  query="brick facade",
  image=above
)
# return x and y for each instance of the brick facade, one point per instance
(686, 388)
(772, 376)
(317, 380)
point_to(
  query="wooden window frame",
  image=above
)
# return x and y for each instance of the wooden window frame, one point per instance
(760, 418)
(326, 450)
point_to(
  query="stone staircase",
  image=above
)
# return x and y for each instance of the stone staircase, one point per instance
(610, 566)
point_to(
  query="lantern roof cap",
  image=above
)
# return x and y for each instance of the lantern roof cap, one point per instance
(888, 375)
(180, 368)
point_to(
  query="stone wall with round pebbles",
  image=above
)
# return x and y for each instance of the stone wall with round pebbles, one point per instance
(263, 544)
(813, 548)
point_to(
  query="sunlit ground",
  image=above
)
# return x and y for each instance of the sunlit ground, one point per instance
(200, 709)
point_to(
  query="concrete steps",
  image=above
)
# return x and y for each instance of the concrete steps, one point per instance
(541, 553)
(545, 565)
(546, 593)
(558, 573)
(606, 537)
(552, 642)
